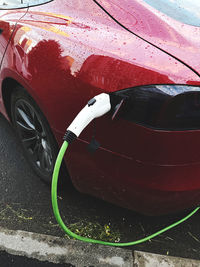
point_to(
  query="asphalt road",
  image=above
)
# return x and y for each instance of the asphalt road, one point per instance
(8, 260)
(25, 204)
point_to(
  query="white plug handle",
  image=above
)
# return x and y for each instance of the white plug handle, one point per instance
(96, 107)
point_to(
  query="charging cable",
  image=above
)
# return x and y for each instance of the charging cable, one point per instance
(96, 107)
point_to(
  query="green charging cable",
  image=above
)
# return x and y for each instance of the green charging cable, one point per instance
(89, 240)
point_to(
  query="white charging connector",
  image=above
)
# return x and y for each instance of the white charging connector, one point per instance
(96, 107)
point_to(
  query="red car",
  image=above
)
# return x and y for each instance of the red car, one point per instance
(56, 55)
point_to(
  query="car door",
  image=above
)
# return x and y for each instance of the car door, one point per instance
(11, 11)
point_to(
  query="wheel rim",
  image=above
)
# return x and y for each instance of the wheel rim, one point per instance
(33, 136)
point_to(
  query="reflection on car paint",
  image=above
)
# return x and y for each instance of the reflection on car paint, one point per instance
(65, 52)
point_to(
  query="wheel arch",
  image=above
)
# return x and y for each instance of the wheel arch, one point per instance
(9, 85)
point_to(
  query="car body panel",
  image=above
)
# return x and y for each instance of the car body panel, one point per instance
(8, 21)
(179, 39)
(66, 52)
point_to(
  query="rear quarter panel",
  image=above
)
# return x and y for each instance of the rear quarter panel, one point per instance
(64, 53)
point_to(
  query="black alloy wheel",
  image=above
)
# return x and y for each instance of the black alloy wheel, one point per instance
(39, 145)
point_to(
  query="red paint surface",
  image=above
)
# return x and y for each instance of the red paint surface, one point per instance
(65, 52)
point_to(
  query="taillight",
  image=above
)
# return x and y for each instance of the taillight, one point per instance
(167, 107)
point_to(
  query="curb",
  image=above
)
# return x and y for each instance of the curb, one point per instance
(144, 259)
(63, 251)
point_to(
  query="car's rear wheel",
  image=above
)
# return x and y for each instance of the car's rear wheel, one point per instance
(39, 145)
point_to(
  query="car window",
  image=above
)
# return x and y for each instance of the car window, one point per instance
(186, 11)
(11, 4)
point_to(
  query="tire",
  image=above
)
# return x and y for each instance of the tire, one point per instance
(39, 145)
